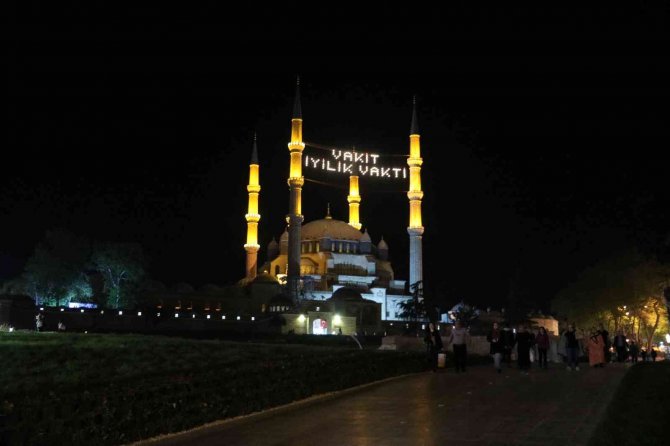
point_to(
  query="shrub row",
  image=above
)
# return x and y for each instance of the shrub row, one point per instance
(95, 389)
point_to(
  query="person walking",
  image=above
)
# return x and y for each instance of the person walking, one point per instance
(458, 338)
(571, 348)
(434, 344)
(606, 342)
(633, 351)
(508, 342)
(497, 346)
(653, 354)
(524, 342)
(39, 322)
(542, 341)
(621, 346)
(594, 345)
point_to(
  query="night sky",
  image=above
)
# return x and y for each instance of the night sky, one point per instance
(542, 154)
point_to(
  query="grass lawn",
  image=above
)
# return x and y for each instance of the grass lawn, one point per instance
(58, 388)
(639, 414)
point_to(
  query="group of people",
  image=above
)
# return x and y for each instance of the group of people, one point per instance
(530, 346)
(39, 323)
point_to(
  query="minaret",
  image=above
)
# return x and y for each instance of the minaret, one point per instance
(295, 182)
(354, 200)
(252, 216)
(415, 229)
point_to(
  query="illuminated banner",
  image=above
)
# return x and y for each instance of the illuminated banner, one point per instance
(350, 162)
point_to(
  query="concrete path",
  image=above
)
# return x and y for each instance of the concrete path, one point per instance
(479, 407)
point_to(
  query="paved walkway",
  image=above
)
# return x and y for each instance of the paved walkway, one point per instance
(480, 407)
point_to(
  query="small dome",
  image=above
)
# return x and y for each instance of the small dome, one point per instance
(273, 243)
(366, 237)
(281, 299)
(382, 244)
(346, 293)
(329, 228)
(284, 236)
(264, 278)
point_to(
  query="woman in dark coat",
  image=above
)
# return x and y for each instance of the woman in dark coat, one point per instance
(524, 341)
(495, 337)
(542, 340)
(433, 340)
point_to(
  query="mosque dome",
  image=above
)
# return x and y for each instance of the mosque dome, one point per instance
(284, 236)
(329, 228)
(382, 244)
(346, 293)
(366, 237)
(264, 278)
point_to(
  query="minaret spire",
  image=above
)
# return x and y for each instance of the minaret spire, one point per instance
(295, 182)
(414, 129)
(415, 195)
(297, 109)
(252, 216)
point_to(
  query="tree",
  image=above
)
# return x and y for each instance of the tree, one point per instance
(123, 267)
(623, 292)
(414, 309)
(56, 272)
(464, 313)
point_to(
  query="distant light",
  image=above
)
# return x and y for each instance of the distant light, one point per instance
(176, 315)
(139, 313)
(391, 324)
(423, 326)
(223, 317)
(120, 312)
(85, 331)
(337, 320)
(102, 311)
(62, 309)
(301, 318)
(193, 316)
(11, 329)
(627, 313)
(82, 310)
(238, 318)
(158, 314)
(318, 308)
(208, 316)
(41, 308)
(667, 338)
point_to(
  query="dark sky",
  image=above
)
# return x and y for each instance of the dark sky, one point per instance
(542, 153)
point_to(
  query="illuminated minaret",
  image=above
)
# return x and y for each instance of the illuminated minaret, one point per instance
(354, 200)
(252, 216)
(295, 182)
(415, 229)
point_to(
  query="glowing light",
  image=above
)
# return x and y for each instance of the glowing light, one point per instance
(238, 318)
(102, 311)
(667, 338)
(62, 309)
(337, 320)
(301, 318)
(223, 317)
(350, 162)
(253, 318)
(11, 329)
(176, 315)
(120, 313)
(41, 308)
(193, 316)
(158, 314)
(139, 313)
(82, 310)
(208, 316)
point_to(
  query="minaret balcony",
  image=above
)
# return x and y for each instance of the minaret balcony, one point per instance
(415, 195)
(415, 231)
(354, 198)
(254, 188)
(296, 181)
(414, 162)
(296, 146)
(252, 217)
(252, 247)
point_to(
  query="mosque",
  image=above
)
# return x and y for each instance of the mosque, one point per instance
(333, 277)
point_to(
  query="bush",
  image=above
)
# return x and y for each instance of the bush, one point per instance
(111, 389)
